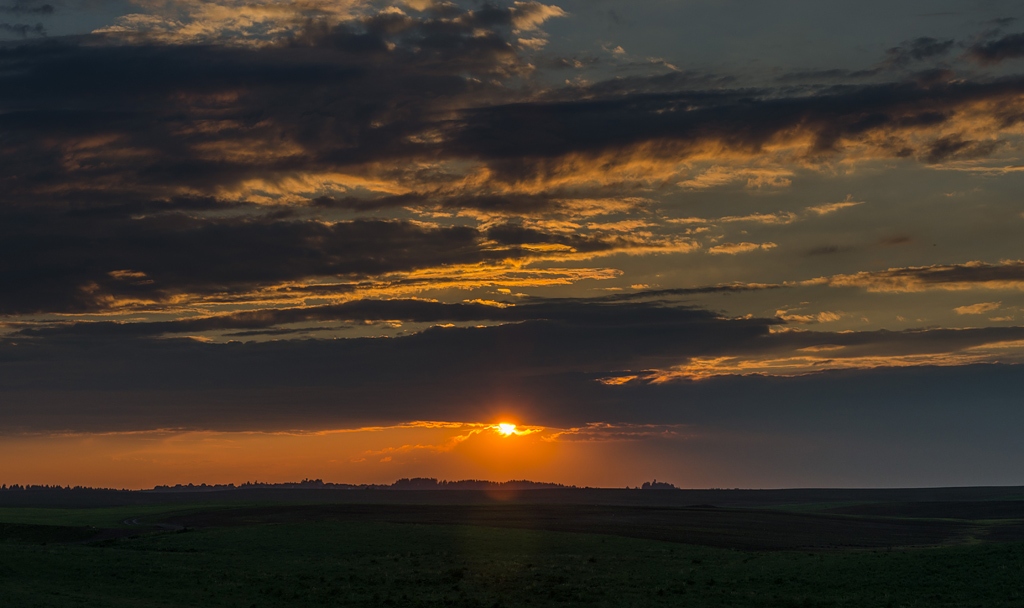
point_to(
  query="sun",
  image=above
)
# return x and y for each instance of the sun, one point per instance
(506, 428)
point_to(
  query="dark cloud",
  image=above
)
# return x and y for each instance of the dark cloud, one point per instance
(1008, 274)
(658, 306)
(886, 343)
(129, 171)
(556, 338)
(511, 203)
(525, 140)
(918, 49)
(68, 264)
(77, 262)
(665, 294)
(1004, 21)
(385, 89)
(829, 75)
(957, 148)
(574, 62)
(996, 51)
(545, 367)
(28, 7)
(882, 427)
(340, 95)
(102, 139)
(23, 29)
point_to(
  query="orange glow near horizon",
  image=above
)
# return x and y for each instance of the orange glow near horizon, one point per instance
(588, 455)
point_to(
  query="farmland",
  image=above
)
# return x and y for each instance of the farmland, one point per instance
(527, 550)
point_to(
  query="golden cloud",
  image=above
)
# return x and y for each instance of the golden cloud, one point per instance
(828, 208)
(737, 248)
(1008, 274)
(977, 309)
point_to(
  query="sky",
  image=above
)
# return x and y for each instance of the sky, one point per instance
(719, 243)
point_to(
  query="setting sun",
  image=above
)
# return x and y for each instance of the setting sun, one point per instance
(506, 428)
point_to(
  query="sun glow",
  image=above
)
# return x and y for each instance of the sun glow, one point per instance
(506, 428)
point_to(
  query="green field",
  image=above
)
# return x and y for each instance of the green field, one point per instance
(249, 560)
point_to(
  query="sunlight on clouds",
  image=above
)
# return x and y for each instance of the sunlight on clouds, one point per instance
(240, 22)
(826, 357)
(703, 368)
(529, 15)
(534, 44)
(754, 178)
(253, 149)
(828, 208)
(1008, 274)
(779, 218)
(826, 316)
(977, 309)
(515, 274)
(737, 248)
(300, 188)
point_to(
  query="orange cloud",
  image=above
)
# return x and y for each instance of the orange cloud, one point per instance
(977, 309)
(1008, 274)
(825, 316)
(828, 208)
(736, 248)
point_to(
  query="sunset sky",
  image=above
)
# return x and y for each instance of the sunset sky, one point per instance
(720, 243)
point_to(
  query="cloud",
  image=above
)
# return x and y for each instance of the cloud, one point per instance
(828, 208)
(166, 258)
(656, 306)
(429, 118)
(529, 140)
(977, 309)
(230, 22)
(825, 316)
(23, 29)
(918, 49)
(545, 363)
(954, 147)
(544, 341)
(211, 179)
(1008, 274)
(777, 218)
(754, 178)
(996, 51)
(264, 22)
(531, 15)
(735, 248)
(28, 7)
(795, 353)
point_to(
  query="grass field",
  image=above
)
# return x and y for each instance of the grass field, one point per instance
(384, 564)
(507, 555)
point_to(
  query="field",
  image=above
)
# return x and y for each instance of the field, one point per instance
(524, 550)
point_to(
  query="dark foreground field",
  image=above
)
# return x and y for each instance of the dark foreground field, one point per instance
(474, 549)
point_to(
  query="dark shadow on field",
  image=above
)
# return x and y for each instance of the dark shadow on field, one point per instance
(992, 509)
(44, 535)
(748, 529)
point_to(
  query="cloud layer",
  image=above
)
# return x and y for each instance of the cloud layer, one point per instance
(261, 216)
